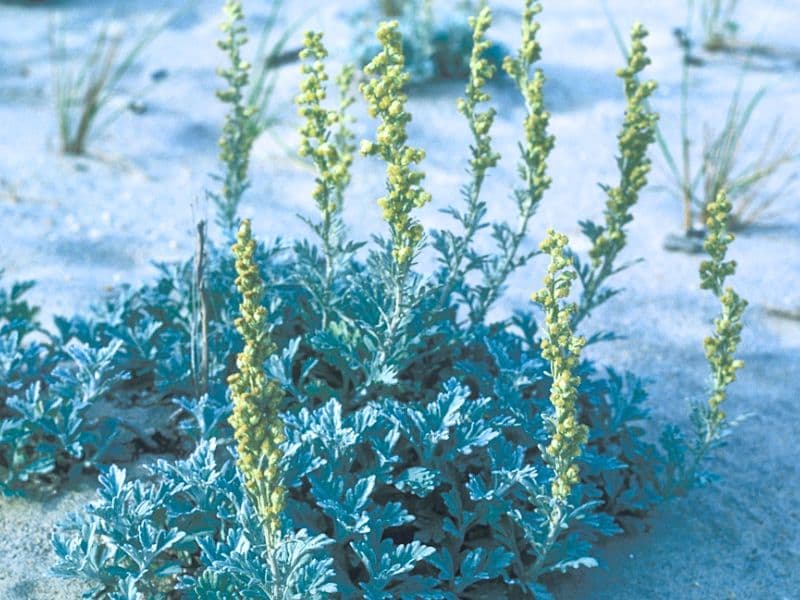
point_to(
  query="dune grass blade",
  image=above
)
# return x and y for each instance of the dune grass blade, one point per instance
(82, 95)
(721, 170)
(718, 21)
(265, 74)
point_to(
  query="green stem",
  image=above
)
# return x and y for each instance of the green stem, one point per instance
(455, 274)
(686, 184)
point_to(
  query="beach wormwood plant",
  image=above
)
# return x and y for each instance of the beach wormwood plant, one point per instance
(388, 441)
(718, 20)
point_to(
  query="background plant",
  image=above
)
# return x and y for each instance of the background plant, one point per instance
(718, 20)
(750, 187)
(270, 53)
(249, 94)
(83, 94)
(437, 39)
(748, 184)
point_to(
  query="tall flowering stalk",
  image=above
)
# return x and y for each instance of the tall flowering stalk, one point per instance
(328, 142)
(709, 419)
(720, 347)
(316, 134)
(535, 148)
(483, 157)
(240, 129)
(638, 133)
(481, 70)
(537, 143)
(404, 192)
(386, 101)
(562, 350)
(256, 423)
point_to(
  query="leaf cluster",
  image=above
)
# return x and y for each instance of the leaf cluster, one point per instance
(47, 392)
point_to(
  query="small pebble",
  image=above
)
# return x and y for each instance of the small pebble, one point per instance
(137, 107)
(159, 75)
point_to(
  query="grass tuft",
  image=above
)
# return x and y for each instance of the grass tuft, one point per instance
(83, 92)
(718, 20)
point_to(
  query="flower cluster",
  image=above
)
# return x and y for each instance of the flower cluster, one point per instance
(481, 70)
(386, 100)
(332, 162)
(538, 144)
(721, 346)
(562, 350)
(239, 130)
(638, 132)
(257, 427)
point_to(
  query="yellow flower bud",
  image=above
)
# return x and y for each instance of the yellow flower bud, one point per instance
(256, 400)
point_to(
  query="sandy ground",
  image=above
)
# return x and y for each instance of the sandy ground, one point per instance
(81, 225)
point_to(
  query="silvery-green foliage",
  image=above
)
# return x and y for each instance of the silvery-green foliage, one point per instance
(341, 502)
(154, 324)
(235, 564)
(422, 470)
(154, 535)
(408, 483)
(22, 361)
(207, 416)
(142, 533)
(16, 314)
(418, 462)
(47, 393)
